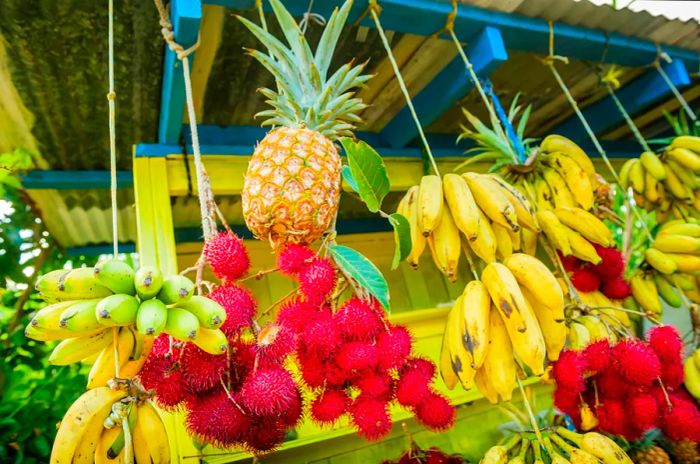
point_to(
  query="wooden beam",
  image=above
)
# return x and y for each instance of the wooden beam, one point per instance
(185, 16)
(486, 52)
(635, 96)
(426, 17)
(69, 180)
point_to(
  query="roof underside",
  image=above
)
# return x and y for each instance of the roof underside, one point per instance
(53, 81)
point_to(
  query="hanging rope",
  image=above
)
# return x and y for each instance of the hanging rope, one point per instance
(111, 102)
(657, 64)
(375, 10)
(204, 192)
(628, 119)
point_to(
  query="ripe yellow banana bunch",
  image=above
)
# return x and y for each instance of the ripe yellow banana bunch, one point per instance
(571, 231)
(599, 322)
(516, 310)
(668, 183)
(111, 311)
(494, 217)
(589, 447)
(106, 426)
(691, 368)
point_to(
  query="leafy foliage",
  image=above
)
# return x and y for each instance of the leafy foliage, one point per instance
(368, 172)
(363, 271)
(402, 237)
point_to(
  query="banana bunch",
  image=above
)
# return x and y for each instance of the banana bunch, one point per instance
(561, 446)
(494, 217)
(599, 321)
(691, 368)
(571, 231)
(107, 426)
(667, 183)
(515, 311)
(109, 315)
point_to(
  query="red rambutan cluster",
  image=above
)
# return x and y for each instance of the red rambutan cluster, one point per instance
(605, 276)
(632, 387)
(227, 256)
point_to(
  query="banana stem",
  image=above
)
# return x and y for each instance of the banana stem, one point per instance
(470, 260)
(630, 123)
(402, 85)
(528, 407)
(561, 443)
(513, 442)
(569, 435)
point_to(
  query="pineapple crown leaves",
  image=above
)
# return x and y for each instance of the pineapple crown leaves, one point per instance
(306, 95)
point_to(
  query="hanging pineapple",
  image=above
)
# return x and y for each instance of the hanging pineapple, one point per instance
(292, 186)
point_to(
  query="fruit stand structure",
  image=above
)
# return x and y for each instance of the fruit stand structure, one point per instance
(503, 46)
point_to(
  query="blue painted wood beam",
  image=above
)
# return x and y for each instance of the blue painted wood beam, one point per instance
(637, 95)
(426, 17)
(69, 180)
(100, 249)
(486, 52)
(185, 16)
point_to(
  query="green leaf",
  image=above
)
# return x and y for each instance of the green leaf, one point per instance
(347, 175)
(402, 238)
(362, 270)
(369, 172)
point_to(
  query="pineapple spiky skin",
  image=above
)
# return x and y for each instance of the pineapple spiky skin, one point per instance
(651, 455)
(292, 186)
(684, 452)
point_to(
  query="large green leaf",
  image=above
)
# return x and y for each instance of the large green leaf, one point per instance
(368, 171)
(347, 175)
(402, 238)
(362, 270)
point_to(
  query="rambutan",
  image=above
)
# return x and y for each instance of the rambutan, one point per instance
(436, 412)
(597, 356)
(293, 258)
(164, 345)
(585, 280)
(377, 385)
(243, 354)
(227, 256)
(239, 304)
(412, 388)
(357, 356)
(264, 434)
(336, 375)
(292, 415)
(393, 346)
(268, 391)
(296, 313)
(163, 376)
(201, 370)
(317, 279)
(275, 342)
(215, 419)
(568, 371)
(371, 416)
(570, 262)
(612, 417)
(617, 289)
(612, 263)
(666, 343)
(682, 422)
(611, 384)
(358, 319)
(425, 366)
(321, 334)
(644, 411)
(672, 374)
(329, 405)
(313, 369)
(637, 362)
(566, 401)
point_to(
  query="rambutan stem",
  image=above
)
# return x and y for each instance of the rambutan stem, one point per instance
(276, 303)
(665, 392)
(260, 274)
(228, 395)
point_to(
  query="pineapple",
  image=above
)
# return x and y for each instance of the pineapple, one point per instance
(647, 452)
(684, 452)
(292, 186)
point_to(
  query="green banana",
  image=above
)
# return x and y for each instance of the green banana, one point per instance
(176, 289)
(182, 324)
(210, 313)
(667, 292)
(116, 275)
(148, 280)
(151, 317)
(117, 310)
(80, 317)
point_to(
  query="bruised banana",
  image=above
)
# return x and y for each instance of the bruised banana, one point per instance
(485, 245)
(598, 445)
(543, 195)
(492, 201)
(553, 327)
(447, 374)
(430, 203)
(557, 143)
(561, 195)
(476, 306)
(523, 209)
(535, 276)
(462, 205)
(460, 358)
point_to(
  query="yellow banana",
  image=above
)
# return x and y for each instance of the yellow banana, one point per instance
(97, 402)
(499, 362)
(555, 231)
(521, 322)
(533, 275)
(529, 241)
(688, 229)
(445, 245)
(685, 157)
(153, 427)
(47, 335)
(685, 175)
(464, 209)
(553, 327)
(483, 384)
(103, 369)
(49, 317)
(446, 373)
(586, 224)
(504, 244)
(667, 292)
(577, 180)
(516, 238)
(672, 243)
(133, 366)
(460, 359)
(624, 174)
(576, 455)
(595, 326)
(653, 165)
(692, 376)
(492, 200)
(597, 445)
(691, 142)
(660, 261)
(485, 245)
(646, 294)
(557, 143)
(476, 305)
(677, 188)
(523, 209)
(86, 447)
(554, 457)
(578, 335)
(106, 439)
(543, 195)
(74, 349)
(652, 188)
(140, 439)
(581, 248)
(561, 194)
(686, 263)
(637, 177)
(418, 241)
(74, 284)
(430, 203)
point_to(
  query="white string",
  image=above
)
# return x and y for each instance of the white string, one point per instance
(676, 93)
(111, 101)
